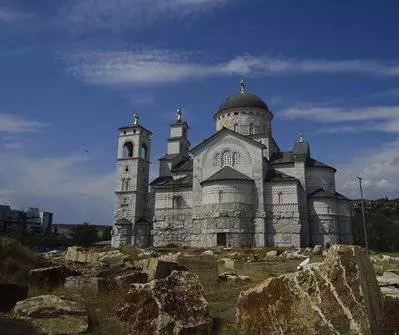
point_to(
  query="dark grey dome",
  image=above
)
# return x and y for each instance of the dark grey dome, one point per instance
(241, 100)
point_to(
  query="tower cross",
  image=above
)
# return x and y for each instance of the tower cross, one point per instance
(242, 85)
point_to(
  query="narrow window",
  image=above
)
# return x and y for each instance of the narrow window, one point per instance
(128, 150)
(280, 197)
(236, 159)
(251, 129)
(126, 168)
(236, 127)
(226, 158)
(220, 196)
(216, 160)
(177, 202)
(143, 153)
(127, 184)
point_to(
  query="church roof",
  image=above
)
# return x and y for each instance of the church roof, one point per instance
(227, 173)
(287, 157)
(242, 100)
(185, 165)
(169, 183)
(277, 176)
(231, 132)
(322, 193)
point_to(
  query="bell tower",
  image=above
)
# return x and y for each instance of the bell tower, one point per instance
(131, 194)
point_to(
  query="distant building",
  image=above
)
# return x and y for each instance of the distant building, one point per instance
(47, 221)
(30, 220)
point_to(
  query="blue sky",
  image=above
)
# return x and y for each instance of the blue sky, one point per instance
(73, 71)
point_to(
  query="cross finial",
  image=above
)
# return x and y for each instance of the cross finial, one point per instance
(301, 138)
(135, 119)
(179, 114)
(242, 84)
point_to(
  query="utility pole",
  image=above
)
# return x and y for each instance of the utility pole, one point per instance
(364, 218)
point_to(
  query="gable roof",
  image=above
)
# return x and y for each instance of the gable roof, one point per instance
(185, 165)
(228, 131)
(170, 183)
(227, 173)
(287, 157)
(322, 193)
(277, 176)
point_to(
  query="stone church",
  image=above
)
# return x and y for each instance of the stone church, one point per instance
(235, 188)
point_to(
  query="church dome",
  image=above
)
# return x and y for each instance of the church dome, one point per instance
(242, 100)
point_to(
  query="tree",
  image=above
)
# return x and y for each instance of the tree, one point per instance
(107, 233)
(84, 234)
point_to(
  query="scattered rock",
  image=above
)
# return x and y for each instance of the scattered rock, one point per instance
(53, 315)
(388, 279)
(10, 294)
(147, 254)
(272, 253)
(54, 255)
(233, 276)
(293, 255)
(155, 268)
(303, 263)
(390, 258)
(317, 249)
(172, 305)
(228, 263)
(53, 276)
(339, 296)
(123, 281)
(88, 284)
(81, 255)
(207, 253)
(390, 291)
(114, 257)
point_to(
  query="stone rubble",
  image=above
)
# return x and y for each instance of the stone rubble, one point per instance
(53, 315)
(339, 296)
(171, 305)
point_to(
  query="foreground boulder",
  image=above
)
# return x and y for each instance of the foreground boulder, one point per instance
(88, 284)
(10, 294)
(156, 268)
(339, 296)
(52, 276)
(81, 255)
(172, 305)
(51, 314)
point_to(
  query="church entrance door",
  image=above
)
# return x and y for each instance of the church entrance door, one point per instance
(221, 239)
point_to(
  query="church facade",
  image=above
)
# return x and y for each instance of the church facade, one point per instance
(235, 188)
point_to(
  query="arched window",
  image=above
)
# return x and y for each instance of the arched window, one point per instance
(226, 158)
(220, 196)
(123, 184)
(128, 149)
(236, 159)
(177, 201)
(251, 129)
(127, 184)
(280, 197)
(126, 168)
(143, 152)
(236, 127)
(216, 160)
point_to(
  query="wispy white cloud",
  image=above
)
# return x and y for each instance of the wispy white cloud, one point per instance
(14, 123)
(349, 120)
(61, 184)
(8, 15)
(161, 66)
(121, 14)
(379, 169)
